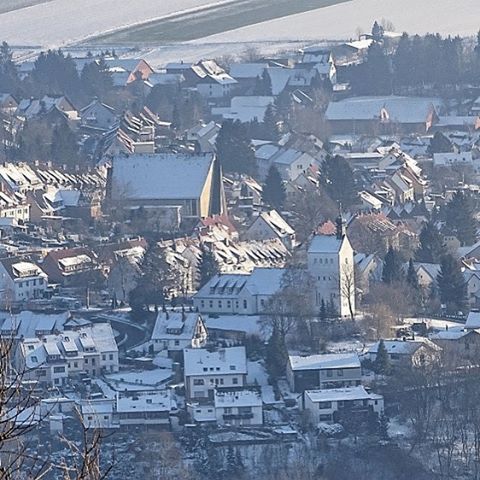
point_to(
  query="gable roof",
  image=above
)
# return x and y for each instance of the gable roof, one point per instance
(324, 361)
(163, 175)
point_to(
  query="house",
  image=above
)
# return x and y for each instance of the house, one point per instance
(427, 273)
(238, 406)
(158, 182)
(177, 330)
(8, 103)
(245, 109)
(336, 370)
(72, 266)
(340, 404)
(473, 320)
(247, 74)
(271, 225)
(407, 352)
(145, 408)
(27, 324)
(98, 116)
(98, 413)
(206, 370)
(21, 279)
(322, 60)
(48, 105)
(331, 265)
(52, 359)
(204, 135)
(368, 115)
(291, 163)
(246, 294)
(460, 343)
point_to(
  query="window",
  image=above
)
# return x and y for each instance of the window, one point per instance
(329, 373)
(245, 304)
(233, 367)
(205, 369)
(20, 284)
(227, 410)
(324, 405)
(105, 417)
(202, 303)
(340, 373)
(149, 400)
(235, 381)
(104, 357)
(325, 418)
(177, 343)
(229, 304)
(40, 281)
(34, 282)
(210, 303)
(198, 381)
(86, 361)
(243, 410)
(34, 359)
(93, 361)
(219, 304)
(75, 364)
(110, 356)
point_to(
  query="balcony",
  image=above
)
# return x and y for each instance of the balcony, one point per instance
(237, 416)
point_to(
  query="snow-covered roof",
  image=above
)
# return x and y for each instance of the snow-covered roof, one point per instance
(175, 325)
(473, 320)
(165, 175)
(161, 401)
(339, 394)
(249, 324)
(325, 361)
(399, 109)
(229, 361)
(403, 347)
(247, 70)
(325, 244)
(238, 397)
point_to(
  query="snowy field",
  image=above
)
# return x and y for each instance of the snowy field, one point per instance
(63, 22)
(448, 17)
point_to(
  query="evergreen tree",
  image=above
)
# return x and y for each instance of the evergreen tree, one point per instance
(412, 278)
(338, 181)
(383, 427)
(392, 267)
(277, 355)
(234, 148)
(64, 148)
(209, 266)
(402, 62)
(8, 71)
(263, 85)
(55, 74)
(274, 190)
(460, 219)
(432, 247)
(332, 311)
(270, 128)
(377, 32)
(96, 79)
(382, 360)
(451, 285)
(440, 144)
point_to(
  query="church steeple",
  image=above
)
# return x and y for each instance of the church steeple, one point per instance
(341, 227)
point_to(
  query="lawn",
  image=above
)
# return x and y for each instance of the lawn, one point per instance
(216, 19)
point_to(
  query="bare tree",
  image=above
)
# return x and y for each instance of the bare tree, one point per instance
(348, 287)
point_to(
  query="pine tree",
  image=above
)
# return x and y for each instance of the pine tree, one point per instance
(209, 266)
(64, 149)
(270, 128)
(382, 360)
(332, 311)
(383, 427)
(451, 285)
(392, 267)
(274, 190)
(234, 148)
(432, 247)
(339, 182)
(96, 79)
(8, 71)
(263, 85)
(412, 278)
(460, 219)
(277, 355)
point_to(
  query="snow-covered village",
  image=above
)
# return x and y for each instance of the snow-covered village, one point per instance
(240, 239)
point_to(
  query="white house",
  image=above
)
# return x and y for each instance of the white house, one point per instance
(323, 371)
(331, 265)
(245, 294)
(53, 358)
(21, 280)
(271, 225)
(407, 352)
(341, 403)
(205, 370)
(245, 109)
(98, 116)
(176, 330)
(238, 406)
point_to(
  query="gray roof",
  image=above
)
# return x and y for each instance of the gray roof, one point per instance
(160, 176)
(325, 244)
(400, 109)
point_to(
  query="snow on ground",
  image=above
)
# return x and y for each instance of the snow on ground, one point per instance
(62, 22)
(436, 324)
(455, 17)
